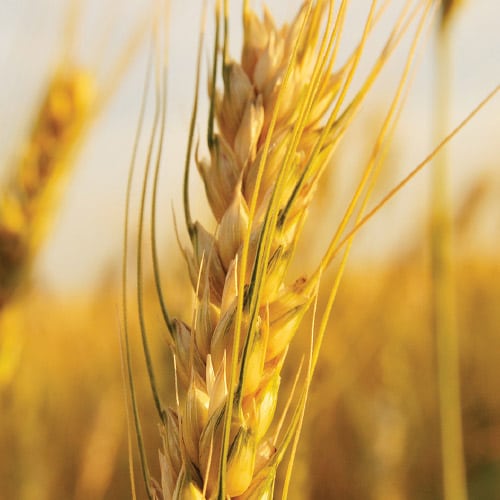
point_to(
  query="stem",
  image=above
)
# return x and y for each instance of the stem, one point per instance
(443, 291)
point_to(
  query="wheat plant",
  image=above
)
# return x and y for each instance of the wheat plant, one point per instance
(280, 113)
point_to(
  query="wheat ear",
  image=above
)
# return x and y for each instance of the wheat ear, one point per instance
(73, 99)
(271, 133)
(27, 199)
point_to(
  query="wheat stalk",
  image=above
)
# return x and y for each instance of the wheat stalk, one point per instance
(271, 133)
(444, 316)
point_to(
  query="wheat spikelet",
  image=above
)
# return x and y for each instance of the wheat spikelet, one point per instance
(27, 200)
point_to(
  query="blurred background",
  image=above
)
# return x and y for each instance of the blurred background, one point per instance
(372, 425)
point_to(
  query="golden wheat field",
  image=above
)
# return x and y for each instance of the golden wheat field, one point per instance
(249, 250)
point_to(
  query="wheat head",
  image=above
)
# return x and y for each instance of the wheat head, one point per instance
(27, 200)
(255, 138)
(272, 130)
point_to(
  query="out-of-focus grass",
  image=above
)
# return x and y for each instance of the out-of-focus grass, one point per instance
(371, 427)
(63, 411)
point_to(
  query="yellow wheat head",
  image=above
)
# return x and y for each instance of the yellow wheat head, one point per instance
(274, 123)
(26, 202)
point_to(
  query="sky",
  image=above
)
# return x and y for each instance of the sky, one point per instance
(87, 231)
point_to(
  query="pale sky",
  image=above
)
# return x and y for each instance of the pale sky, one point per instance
(87, 231)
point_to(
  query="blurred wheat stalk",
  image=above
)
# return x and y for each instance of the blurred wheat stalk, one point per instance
(443, 289)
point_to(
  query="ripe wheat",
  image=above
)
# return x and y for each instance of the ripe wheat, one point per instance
(272, 130)
(27, 200)
(279, 117)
